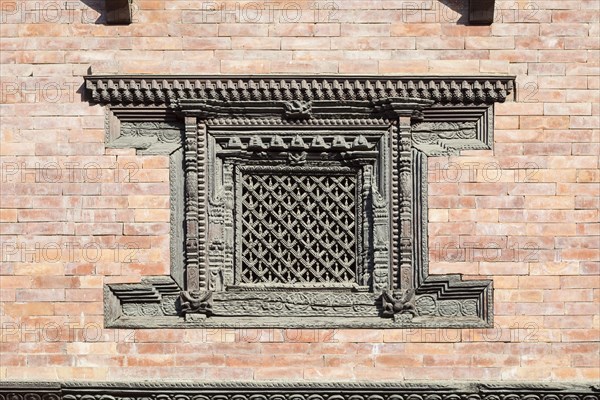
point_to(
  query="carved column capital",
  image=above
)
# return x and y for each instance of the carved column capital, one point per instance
(398, 107)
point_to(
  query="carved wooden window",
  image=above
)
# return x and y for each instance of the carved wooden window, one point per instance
(299, 202)
(297, 227)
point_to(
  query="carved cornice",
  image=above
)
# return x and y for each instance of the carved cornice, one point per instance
(296, 390)
(165, 90)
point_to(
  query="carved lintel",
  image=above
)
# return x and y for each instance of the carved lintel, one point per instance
(199, 302)
(398, 303)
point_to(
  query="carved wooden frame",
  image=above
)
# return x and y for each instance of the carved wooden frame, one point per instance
(392, 123)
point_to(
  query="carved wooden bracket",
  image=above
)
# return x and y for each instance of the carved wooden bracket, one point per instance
(481, 12)
(118, 12)
(299, 202)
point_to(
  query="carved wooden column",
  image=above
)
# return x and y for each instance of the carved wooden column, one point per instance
(195, 300)
(406, 199)
(191, 204)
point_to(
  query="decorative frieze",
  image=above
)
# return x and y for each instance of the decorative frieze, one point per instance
(297, 391)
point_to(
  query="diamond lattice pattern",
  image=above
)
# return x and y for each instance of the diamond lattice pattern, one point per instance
(298, 228)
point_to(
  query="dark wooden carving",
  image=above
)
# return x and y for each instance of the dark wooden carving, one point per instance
(299, 202)
(118, 12)
(481, 12)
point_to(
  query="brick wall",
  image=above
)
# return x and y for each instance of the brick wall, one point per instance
(524, 214)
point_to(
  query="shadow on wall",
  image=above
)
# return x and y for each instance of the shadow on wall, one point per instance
(460, 7)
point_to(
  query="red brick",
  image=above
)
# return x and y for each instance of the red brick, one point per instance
(357, 30)
(515, 29)
(590, 268)
(8, 215)
(244, 30)
(539, 282)
(402, 66)
(562, 16)
(580, 335)
(440, 43)
(275, 373)
(580, 282)
(31, 308)
(563, 29)
(581, 308)
(559, 122)
(347, 43)
(416, 29)
(400, 360)
(328, 374)
(40, 295)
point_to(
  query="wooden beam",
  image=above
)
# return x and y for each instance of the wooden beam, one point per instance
(481, 12)
(118, 12)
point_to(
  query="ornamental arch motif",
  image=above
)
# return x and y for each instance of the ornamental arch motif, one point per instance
(299, 201)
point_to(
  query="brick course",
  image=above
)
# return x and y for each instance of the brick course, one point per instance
(534, 199)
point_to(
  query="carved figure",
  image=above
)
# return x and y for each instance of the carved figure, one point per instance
(196, 302)
(397, 303)
(297, 109)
